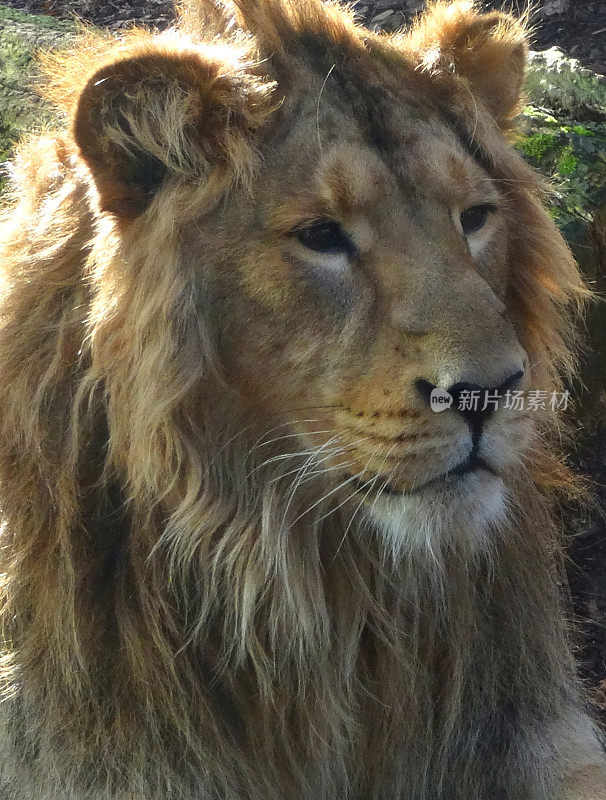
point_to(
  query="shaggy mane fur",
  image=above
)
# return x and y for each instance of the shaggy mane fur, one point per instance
(179, 617)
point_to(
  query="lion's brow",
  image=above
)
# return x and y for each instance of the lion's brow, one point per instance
(468, 142)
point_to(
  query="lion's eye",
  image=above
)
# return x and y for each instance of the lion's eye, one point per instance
(325, 236)
(474, 218)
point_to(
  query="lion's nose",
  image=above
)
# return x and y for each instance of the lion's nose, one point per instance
(474, 402)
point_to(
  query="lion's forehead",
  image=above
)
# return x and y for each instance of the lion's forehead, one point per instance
(344, 156)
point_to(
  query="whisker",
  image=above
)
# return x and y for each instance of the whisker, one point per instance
(324, 82)
(289, 436)
(332, 452)
(369, 484)
(362, 501)
(329, 494)
(276, 428)
(281, 457)
(326, 470)
(298, 479)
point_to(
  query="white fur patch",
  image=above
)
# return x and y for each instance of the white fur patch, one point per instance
(469, 506)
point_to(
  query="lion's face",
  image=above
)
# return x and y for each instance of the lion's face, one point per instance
(376, 263)
(370, 277)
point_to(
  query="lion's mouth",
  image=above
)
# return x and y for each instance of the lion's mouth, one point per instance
(473, 463)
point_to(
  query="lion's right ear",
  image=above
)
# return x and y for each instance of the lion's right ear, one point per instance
(158, 107)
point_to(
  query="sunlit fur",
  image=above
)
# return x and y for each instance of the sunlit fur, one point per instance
(196, 603)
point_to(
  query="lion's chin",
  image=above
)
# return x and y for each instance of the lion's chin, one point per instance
(467, 508)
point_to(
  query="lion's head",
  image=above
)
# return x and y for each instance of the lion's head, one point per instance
(343, 217)
(234, 286)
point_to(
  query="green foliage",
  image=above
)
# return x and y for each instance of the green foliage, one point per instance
(568, 162)
(21, 110)
(572, 157)
(537, 145)
(563, 85)
(38, 20)
(16, 113)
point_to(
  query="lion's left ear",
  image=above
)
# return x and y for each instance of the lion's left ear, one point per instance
(488, 51)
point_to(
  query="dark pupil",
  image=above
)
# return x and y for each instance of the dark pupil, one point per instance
(472, 219)
(324, 237)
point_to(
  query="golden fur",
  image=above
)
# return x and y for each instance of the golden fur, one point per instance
(205, 594)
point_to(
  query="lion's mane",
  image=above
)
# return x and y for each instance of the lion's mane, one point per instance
(173, 623)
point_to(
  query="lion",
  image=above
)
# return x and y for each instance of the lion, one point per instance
(244, 555)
